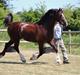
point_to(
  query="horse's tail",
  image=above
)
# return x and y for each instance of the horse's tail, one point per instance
(8, 19)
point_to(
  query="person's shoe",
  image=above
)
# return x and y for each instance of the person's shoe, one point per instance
(66, 62)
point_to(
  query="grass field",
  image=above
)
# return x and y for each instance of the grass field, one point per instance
(45, 65)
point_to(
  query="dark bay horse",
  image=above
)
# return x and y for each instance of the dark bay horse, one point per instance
(40, 32)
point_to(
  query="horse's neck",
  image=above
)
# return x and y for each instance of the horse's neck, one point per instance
(49, 29)
(48, 25)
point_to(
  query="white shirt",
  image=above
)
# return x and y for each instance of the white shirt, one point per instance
(57, 31)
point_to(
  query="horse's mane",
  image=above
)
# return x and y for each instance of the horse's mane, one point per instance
(47, 17)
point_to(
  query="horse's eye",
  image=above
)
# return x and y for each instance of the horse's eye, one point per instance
(60, 15)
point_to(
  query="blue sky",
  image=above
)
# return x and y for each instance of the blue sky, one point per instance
(19, 5)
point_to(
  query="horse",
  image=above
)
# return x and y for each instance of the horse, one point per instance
(40, 32)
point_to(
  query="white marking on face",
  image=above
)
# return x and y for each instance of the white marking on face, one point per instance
(64, 19)
(63, 16)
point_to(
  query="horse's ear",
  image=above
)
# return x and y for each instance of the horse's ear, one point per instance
(60, 10)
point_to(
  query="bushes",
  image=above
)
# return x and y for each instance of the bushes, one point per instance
(73, 18)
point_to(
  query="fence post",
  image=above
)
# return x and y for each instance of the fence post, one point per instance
(69, 41)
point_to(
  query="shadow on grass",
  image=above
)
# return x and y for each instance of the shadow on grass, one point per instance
(27, 63)
(36, 62)
(10, 62)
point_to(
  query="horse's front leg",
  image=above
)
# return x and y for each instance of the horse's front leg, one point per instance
(36, 55)
(41, 50)
(53, 45)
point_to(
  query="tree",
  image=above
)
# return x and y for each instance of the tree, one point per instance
(33, 15)
(76, 17)
(3, 5)
(73, 18)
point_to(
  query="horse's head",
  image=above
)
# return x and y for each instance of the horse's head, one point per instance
(61, 18)
(52, 16)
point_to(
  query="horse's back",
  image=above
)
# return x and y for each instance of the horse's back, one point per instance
(23, 30)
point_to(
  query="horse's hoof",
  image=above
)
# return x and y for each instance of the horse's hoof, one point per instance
(1, 56)
(33, 58)
(66, 62)
(59, 62)
(24, 61)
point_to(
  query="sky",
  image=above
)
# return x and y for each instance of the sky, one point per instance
(19, 5)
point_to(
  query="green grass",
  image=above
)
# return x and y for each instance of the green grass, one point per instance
(29, 46)
(75, 38)
(4, 36)
(23, 46)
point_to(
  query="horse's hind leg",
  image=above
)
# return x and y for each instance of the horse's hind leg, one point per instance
(16, 45)
(5, 48)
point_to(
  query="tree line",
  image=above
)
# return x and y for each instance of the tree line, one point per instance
(33, 15)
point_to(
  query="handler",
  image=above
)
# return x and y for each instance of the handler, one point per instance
(58, 41)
